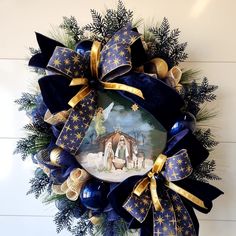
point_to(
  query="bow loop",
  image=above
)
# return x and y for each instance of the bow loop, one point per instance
(115, 61)
(116, 54)
(173, 78)
(67, 62)
(125, 36)
(183, 164)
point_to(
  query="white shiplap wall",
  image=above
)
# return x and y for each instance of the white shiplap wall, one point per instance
(207, 25)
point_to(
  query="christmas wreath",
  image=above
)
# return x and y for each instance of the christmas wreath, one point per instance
(115, 129)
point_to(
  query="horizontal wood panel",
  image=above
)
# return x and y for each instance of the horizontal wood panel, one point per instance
(37, 226)
(14, 184)
(221, 74)
(15, 79)
(217, 228)
(224, 207)
(206, 24)
(28, 226)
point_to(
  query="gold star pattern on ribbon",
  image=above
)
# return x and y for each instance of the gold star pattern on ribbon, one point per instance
(170, 216)
(75, 127)
(179, 166)
(117, 53)
(134, 206)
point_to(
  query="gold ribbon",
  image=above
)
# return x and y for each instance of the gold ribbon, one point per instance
(44, 169)
(186, 194)
(72, 186)
(57, 118)
(151, 180)
(95, 220)
(86, 89)
(142, 186)
(174, 76)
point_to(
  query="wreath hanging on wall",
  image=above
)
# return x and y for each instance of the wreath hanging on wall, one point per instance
(115, 129)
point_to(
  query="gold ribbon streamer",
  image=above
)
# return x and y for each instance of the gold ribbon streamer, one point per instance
(186, 194)
(142, 186)
(123, 87)
(86, 89)
(151, 180)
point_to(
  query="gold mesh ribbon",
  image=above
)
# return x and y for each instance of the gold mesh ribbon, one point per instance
(72, 186)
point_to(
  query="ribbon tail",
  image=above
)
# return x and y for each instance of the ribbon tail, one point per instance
(138, 207)
(85, 91)
(184, 222)
(185, 194)
(155, 199)
(142, 185)
(47, 46)
(164, 221)
(77, 124)
(205, 191)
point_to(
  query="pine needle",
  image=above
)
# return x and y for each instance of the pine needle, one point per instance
(205, 114)
(61, 36)
(189, 76)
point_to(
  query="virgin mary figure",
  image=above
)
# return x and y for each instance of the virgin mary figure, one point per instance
(108, 156)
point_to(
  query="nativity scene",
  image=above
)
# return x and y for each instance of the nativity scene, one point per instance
(113, 149)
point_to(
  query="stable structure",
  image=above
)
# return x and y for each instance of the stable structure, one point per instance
(114, 138)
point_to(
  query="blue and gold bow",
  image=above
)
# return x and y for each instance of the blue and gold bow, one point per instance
(112, 61)
(170, 216)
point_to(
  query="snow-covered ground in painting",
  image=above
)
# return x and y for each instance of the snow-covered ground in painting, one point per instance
(94, 164)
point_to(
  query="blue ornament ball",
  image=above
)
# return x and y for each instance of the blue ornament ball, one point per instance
(186, 121)
(94, 194)
(84, 47)
(61, 204)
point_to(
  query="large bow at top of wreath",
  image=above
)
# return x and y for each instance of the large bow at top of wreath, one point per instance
(77, 81)
(114, 60)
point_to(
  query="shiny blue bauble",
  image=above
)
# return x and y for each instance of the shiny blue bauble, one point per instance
(94, 194)
(84, 47)
(185, 121)
(61, 204)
